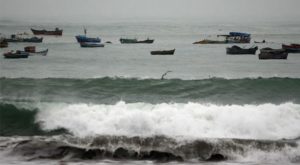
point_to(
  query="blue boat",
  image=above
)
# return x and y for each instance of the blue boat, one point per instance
(83, 38)
(237, 37)
(238, 34)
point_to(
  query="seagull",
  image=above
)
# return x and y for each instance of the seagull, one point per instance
(162, 76)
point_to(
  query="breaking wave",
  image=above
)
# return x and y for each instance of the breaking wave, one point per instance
(188, 120)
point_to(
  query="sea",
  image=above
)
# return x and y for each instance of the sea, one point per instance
(112, 105)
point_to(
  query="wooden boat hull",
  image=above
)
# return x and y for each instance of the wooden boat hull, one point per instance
(90, 45)
(268, 53)
(146, 41)
(46, 32)
(163, 52)
(19, 54)
(235, 50)
(293, 48)
(135, 41)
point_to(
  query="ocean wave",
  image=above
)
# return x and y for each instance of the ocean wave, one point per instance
(18, 120)
(111, 90)
(180, 120)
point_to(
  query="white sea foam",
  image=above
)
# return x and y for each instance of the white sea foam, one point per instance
(286, 155)
(195, 120)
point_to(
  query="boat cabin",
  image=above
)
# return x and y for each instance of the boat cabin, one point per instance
(237, 37)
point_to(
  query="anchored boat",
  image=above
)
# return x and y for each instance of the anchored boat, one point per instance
(163, 52)
(17, 54)
(269, 53)
(56, 32)
(17, 38)
(135, 41)
(235, 50)
(83, 38)
(292, 48)
(91, 44)
(32, 51)
(232, 37)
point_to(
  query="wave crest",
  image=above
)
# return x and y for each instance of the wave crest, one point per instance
(265, 121)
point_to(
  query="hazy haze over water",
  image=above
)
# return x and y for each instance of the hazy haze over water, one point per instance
(201, 10)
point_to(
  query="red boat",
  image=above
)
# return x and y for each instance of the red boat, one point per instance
(56, 32)
(293, 48)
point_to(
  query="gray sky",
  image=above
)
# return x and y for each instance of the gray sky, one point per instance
(202, 10)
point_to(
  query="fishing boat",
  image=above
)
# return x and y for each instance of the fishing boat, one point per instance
(85, 39)
(3, 44)
(235, 50)
(32, 51)
(135, 41)
(91, 44)
(292, 48)
(17, 38)
(33, 39)
(163, 52)
(14, 38)
(128, 41)
(231, 38)
(56, 32)
(237, 37)
(17, 54)
(269, 53)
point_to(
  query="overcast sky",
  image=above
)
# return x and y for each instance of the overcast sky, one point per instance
(202, 10)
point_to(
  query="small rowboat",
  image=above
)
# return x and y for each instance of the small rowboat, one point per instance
(293, 48)
(90, 45)
(32, 52)
(236, 50)
(268, 53)
(135, 41)
(17, 54)
(163, 52)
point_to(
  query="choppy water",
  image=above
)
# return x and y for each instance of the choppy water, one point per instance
(109, 106)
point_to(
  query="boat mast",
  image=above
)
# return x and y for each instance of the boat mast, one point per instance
(85, 31)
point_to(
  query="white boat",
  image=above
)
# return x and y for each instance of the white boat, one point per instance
(32, 52)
